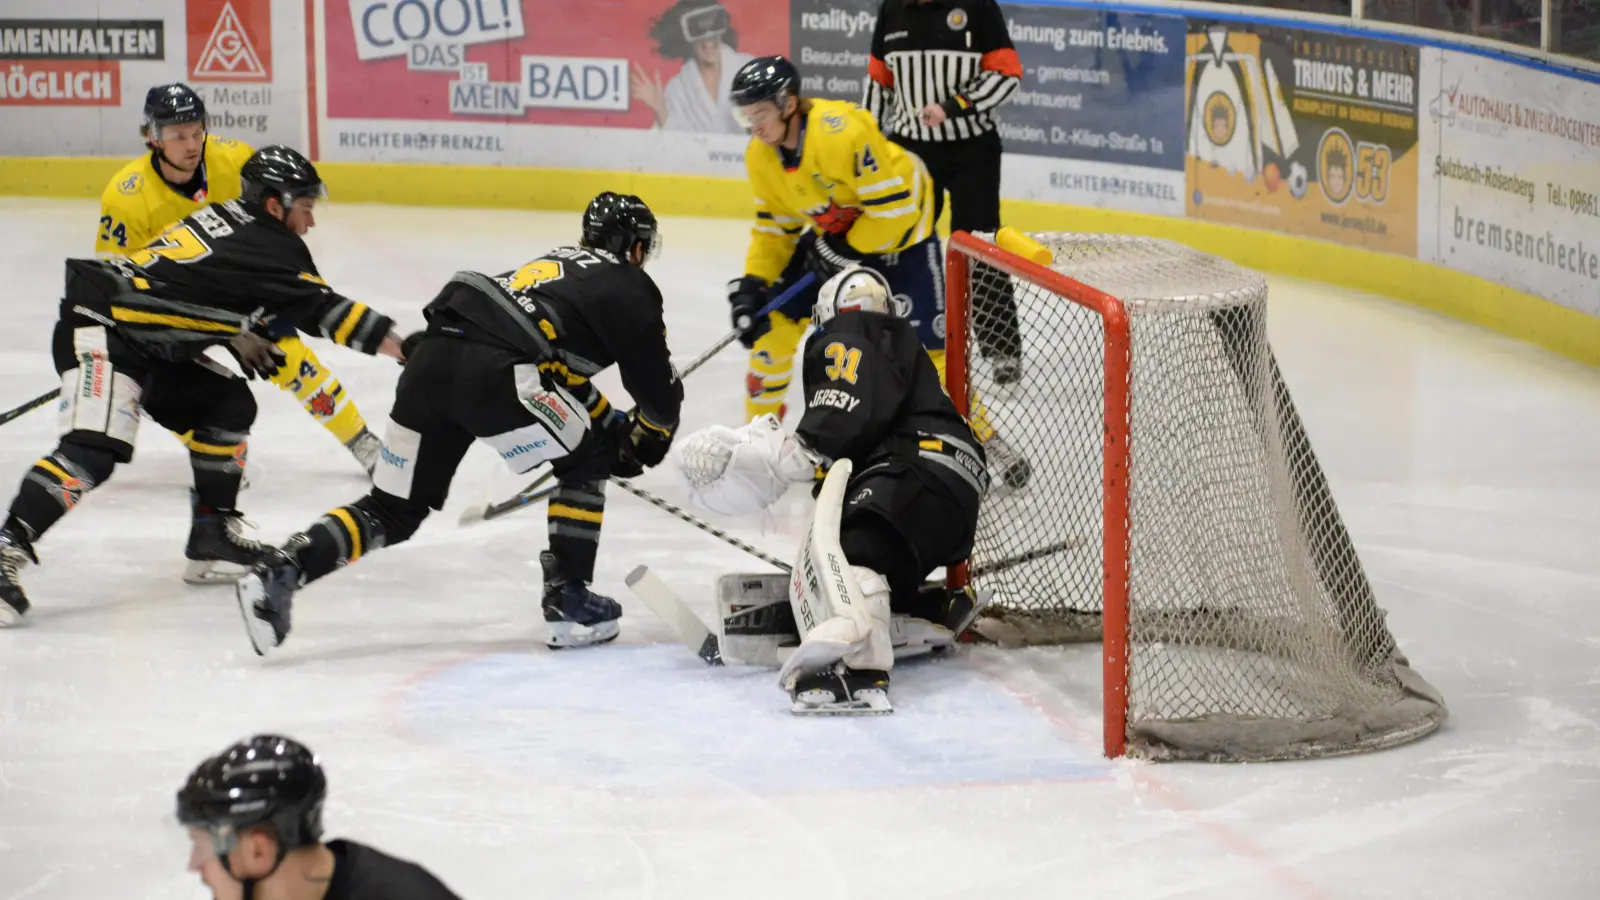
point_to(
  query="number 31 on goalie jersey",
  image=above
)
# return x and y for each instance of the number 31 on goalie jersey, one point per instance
(842, 362)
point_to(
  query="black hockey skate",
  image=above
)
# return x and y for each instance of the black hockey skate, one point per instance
(842, 691)
(218, 552)
(15, 552)
(577, 616)
(266, 596)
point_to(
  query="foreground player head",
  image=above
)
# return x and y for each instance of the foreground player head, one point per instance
(766, 99)
(285, 184)
(622, 225)
(254, 815)
(175, 127)
(856, 288)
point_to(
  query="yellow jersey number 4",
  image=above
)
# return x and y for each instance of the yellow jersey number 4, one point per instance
(180, 244)
(842, 362)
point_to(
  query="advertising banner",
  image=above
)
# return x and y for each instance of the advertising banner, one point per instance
(81, 81)
(521, 82)
(1305, 133)
(1098, 117)
(1096, 121)
(1511, 181)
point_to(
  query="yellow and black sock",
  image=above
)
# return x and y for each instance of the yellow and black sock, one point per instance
(574, 515)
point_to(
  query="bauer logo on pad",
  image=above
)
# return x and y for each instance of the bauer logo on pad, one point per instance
(230, 40)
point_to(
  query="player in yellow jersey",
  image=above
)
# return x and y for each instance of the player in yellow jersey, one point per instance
(831, 192)
(186, 169)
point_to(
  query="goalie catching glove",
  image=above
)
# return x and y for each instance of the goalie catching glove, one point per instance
(737, 471)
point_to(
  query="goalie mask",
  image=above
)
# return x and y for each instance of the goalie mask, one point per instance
(856, 288)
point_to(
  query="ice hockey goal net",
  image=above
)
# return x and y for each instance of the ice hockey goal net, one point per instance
(1155, 486)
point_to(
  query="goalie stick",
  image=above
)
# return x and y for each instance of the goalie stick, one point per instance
(30, 406)
(533, 493)
(666, 603)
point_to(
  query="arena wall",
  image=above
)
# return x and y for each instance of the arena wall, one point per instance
(1458, 175)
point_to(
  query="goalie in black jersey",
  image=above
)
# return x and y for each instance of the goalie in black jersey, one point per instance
(254, 815)
(904, 480)
(508, 360)
(131, 336)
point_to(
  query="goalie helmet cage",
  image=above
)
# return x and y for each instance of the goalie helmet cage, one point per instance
(1237, 622)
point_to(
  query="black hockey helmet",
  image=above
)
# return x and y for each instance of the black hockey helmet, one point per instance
(764, 78)
(171, 104)
(617, 223)
(278, 171)
(267, 780)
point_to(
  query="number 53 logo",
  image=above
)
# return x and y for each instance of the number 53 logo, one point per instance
(1345, 167)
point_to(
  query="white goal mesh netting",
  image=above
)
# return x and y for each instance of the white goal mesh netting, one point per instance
(1253, 632)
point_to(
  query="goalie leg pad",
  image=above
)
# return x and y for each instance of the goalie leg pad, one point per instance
(758, 625)
(842, 610)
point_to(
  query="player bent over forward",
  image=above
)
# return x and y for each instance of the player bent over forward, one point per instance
(830, 192)
(188, 167)
(131, 336)
(916, 477)
(509, 360)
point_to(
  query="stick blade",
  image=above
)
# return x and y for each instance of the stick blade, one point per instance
(665, 602)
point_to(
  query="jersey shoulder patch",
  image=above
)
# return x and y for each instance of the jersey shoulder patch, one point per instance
(130, 185)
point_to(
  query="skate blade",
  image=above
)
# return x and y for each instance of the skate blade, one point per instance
(811, 656)
(209, 571)
(249, 591)
(571, 635)
(9, 617)
(867, 703)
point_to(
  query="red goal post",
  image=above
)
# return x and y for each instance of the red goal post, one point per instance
(1156, 490)
(963, 249)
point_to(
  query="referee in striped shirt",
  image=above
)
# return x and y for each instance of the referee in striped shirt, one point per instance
(938, 70)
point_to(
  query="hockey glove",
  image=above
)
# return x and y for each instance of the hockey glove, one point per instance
(650, 442)
(625, 464)
(746, 296)
(257, 356)
(409, 345)
(831, 254)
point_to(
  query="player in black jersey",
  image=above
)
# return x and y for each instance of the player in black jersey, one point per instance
(131, 335)
(905, 477)
(254, 815)
(508, 360)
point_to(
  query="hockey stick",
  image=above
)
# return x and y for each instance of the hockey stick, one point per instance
(717, 533)
(666, 603)
(535, 492)
(30, 406)
(1037, 553)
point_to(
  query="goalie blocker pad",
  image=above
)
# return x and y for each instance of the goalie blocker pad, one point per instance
(758, 625)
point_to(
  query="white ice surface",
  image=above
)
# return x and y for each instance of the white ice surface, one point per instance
(1466, 465)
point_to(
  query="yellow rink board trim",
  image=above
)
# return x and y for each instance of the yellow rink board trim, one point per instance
(1511, 312)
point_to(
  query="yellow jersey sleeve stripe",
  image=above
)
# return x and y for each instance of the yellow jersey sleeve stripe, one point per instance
(341, 335)
(140, 317)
